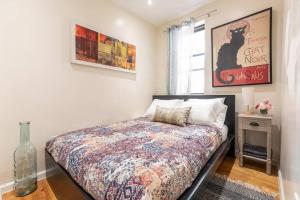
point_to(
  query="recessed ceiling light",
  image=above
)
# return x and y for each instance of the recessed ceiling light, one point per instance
(150, 2)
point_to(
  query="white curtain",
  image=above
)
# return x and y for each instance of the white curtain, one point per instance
(180, 57)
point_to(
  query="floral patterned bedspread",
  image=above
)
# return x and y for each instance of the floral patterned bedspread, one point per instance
(135, 159)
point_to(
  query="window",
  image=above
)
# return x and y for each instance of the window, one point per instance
(197, 76)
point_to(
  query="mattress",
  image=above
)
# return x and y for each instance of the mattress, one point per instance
(135, 159)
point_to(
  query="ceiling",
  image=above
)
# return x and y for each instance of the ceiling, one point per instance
(160, 11)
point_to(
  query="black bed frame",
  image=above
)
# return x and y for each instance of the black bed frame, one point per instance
(65, 188)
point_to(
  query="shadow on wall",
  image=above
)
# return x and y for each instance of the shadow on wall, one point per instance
(104, 72)
(276, 135)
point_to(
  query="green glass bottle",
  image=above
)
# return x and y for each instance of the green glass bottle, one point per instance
(25, 166)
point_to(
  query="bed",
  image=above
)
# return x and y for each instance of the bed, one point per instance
(138, 159)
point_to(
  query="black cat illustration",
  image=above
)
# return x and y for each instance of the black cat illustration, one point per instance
(227, 56)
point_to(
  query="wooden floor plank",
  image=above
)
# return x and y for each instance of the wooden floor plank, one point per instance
(252, 173)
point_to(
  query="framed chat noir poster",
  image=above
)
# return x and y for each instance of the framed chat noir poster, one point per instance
(242, 51)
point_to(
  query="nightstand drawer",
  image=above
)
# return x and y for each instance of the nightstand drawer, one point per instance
(254, 124)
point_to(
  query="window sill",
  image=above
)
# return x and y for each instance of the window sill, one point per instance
(196, 93)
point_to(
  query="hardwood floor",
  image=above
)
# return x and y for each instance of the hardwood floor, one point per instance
(43, 192)
(253, 173)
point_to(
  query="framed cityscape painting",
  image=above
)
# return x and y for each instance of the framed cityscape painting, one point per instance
(96, 49)
(241, 51)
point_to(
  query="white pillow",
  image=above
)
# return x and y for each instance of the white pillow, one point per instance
(222, 100)
(221, 117)
(218, 102)
(202, 113)
(210, 112)
(162, 103)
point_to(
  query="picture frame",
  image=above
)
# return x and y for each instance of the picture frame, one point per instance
(93, 48)
(242, 51)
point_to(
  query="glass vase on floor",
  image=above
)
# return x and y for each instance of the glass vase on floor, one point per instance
(25, 166)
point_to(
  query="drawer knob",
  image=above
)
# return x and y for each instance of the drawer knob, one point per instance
(254, 124)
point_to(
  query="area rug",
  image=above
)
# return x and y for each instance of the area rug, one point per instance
(221, 188)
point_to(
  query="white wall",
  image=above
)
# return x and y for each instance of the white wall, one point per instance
(290, 147)
(38, 83)
(229, 10)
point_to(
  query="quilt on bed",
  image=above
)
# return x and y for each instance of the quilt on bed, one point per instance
(135, 159)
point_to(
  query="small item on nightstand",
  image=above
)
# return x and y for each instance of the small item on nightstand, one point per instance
(248, 98)
(264, 107)
(25, 163)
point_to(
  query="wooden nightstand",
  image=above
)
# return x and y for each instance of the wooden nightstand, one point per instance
(258, 123)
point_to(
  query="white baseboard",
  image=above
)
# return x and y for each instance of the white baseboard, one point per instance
(281, 187)
(7, 187)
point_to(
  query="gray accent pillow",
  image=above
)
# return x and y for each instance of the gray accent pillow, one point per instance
(177, 116)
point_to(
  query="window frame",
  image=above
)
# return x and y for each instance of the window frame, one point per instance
(198, 28)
